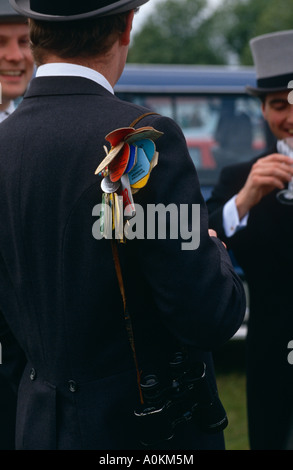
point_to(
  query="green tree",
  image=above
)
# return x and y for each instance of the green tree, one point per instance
(178, 32)
(188, 31)
(239, 21)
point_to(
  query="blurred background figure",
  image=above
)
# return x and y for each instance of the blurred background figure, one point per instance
(16, 61)
(16, 69)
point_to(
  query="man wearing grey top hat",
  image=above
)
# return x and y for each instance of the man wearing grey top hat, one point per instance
(16, 69)
(88, 372)
(246, 210)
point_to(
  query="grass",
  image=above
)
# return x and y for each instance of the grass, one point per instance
(231, 380)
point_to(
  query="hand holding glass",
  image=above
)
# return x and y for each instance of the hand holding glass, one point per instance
(285, 147)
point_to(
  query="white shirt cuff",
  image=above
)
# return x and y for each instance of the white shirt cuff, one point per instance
(231, 222)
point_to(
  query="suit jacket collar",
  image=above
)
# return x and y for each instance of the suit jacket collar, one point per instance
(62, 85)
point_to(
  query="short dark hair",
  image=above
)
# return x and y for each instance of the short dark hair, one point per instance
(81, 38)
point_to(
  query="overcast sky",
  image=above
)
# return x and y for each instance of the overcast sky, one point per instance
(144, 10)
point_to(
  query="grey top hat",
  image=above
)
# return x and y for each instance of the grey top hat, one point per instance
(273, 59)
(67, 10)
(8, 15)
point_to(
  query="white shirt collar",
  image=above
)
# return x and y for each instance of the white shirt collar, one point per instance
(65, 69)
(5, 113)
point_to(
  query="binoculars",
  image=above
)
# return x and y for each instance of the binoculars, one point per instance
(187, 395)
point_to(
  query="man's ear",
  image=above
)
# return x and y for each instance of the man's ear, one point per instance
(125, 36)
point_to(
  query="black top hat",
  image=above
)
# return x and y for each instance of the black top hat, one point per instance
(67, 10)
(8, 15)
(273, 59)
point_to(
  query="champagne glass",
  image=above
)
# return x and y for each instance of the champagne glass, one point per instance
(285, 147)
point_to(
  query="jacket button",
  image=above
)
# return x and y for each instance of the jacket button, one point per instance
(72, 386)
(33, 374)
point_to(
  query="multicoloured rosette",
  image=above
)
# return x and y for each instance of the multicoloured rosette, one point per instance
(125, 170)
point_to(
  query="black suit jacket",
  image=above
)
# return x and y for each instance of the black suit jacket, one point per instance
(58, 288)
(263, 249)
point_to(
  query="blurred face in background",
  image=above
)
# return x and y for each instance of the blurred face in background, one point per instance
(16, 61)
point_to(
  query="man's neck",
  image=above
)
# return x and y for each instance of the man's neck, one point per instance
(103, 68)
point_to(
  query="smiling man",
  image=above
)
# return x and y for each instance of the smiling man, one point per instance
(16, 69)
(247, 214)
(16, 61)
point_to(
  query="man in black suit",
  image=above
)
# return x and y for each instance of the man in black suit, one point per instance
(257, 227)
(16, 69)
(59, 292)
